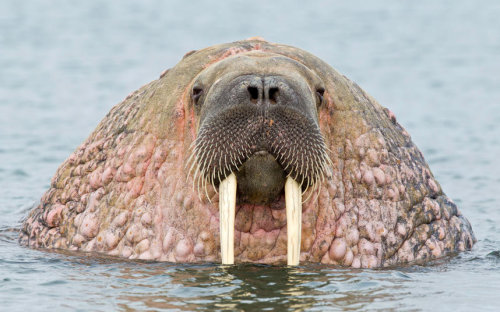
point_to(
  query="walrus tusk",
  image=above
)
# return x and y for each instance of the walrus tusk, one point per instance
(293, 200)
(227, 203)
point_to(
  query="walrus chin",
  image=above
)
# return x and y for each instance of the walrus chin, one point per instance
(258, 142)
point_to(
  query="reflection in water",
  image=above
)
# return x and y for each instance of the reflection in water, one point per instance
(252, 287)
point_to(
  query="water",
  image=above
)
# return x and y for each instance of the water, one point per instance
(64, 64)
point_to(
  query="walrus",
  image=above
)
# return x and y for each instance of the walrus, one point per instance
(250, 151)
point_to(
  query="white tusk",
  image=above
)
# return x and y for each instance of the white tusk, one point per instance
(227, 203)
(293, 200)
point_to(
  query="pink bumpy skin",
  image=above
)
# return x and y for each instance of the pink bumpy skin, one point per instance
(126, 192)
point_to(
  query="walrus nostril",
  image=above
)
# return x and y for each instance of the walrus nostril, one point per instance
(273, 95)
(254, 93)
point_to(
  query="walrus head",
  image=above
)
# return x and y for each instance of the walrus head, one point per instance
(258, 117)
(258, 129)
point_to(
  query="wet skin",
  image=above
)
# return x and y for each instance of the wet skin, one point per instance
(128, 189)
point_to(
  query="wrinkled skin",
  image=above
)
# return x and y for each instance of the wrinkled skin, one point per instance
(127, 190)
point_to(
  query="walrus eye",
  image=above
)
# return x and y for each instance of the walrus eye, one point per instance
(197, 92)
(319, 93)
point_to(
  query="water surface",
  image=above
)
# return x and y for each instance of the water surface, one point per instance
(63, 65)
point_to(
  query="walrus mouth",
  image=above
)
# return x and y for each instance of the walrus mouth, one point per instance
(228, 141)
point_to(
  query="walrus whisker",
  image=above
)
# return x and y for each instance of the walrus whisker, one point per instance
(312, 189)
(314, 165)
(211, 155)
(288, 156)
(196, 181)
(315, 189)
(287, 165)
(302, 165)
(193, 182)
(296, 174)
(327, 148)
(320, 172)
(308, 195)
(203, 165)
(212, 176)
(192, 145)
(201, 179)
(328, 165)
(240, 153)
(278, 155)
(307, 166)
(281, 147)
(296, 164)
(218, 175)
(239, 164)
(318, 191)
(284, 153)
(330, 162)
(326, 156)
(193, 163)
(272, 146)
(226, 167)
(233, 162)
(213, 185)
(196, 171)
(188, 162)
(206, 191)
(247, 153)
(220, 166)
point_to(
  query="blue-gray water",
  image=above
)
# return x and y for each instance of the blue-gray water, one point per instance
(64, 64)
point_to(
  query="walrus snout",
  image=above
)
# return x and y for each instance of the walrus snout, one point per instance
(258, 103)
(256, 90)
(273, 90)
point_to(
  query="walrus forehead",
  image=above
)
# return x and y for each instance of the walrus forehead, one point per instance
(257, 63)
